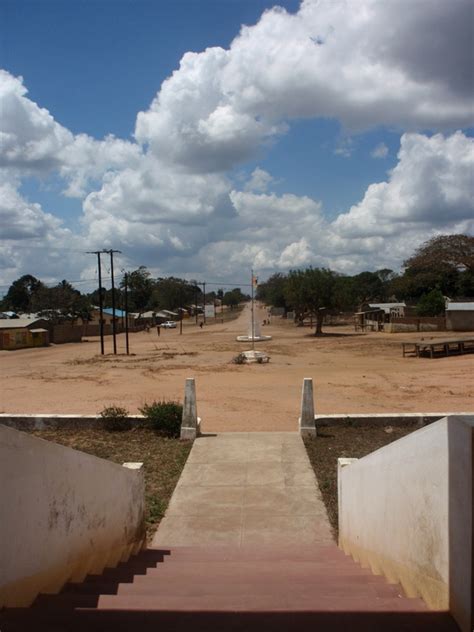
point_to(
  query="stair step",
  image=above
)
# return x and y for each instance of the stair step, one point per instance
(118, 577)
(254, 553)
(22, 620)
(65, 601)
(277, 590)
(279, 568)
(93, 588)
(259, 602)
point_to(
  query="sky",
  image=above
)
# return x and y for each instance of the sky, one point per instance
(203, 138)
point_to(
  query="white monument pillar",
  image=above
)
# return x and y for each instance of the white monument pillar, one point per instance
(306, 420)
(190, 422)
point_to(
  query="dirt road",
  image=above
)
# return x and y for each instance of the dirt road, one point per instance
(351, 372)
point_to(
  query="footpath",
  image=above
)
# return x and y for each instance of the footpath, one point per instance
(246, 488)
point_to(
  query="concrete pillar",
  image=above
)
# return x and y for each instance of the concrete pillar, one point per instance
(341, 462)
(190, 422)
(306, 420)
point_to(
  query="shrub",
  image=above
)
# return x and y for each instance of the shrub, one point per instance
(431, 304)
(164, 417)
(115, 419)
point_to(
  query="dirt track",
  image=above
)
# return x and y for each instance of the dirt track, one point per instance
(352, 373)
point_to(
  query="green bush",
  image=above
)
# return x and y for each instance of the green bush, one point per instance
(115, 419)
(164, 417)
(431, 304)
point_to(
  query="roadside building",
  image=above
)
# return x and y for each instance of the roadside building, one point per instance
(373, 316)
(460, 316)
(165, 315)
(20, 333)
(107, 315)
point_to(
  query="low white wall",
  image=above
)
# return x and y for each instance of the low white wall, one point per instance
(375, 419)
(43, 421)
(406, 511)
(64, 514)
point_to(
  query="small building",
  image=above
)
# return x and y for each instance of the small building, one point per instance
(395, 310)
(165, 315)
(107, 316)
(19, 333)
(460, 316)
(373, 316)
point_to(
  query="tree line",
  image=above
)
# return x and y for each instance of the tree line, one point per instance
(442, 266)
(144, 293)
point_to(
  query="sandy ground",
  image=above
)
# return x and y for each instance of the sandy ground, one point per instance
(352, 373)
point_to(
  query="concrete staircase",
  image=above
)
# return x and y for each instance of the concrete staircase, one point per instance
(230, 589)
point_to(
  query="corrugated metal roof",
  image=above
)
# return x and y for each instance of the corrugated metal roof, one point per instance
(460, 307)
(383, 305)
(118, 312)
(386, 306)
(16, 323)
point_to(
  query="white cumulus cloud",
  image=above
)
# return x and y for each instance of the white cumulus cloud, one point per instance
(333, 59)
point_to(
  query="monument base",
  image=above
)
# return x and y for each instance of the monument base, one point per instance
(254, 339)
(255, 356)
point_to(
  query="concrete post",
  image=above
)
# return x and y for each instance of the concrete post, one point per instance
(190, 422)
(306, 420)
(341, 462)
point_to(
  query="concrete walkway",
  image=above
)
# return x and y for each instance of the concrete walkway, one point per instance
(240, 489)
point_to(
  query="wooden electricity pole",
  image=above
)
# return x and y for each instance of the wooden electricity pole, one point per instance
(114, 327)
(101, 300)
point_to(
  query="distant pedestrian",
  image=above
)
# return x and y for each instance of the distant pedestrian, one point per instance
(158, 330)
(147, 329)
(201, 324)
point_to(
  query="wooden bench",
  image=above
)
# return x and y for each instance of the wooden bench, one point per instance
(438, 346)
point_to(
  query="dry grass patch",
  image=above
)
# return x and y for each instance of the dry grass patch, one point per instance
(349, 442)
(163, 460)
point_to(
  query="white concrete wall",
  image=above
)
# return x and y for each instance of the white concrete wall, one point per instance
(406, 511)
(64, 514)
(461, 520)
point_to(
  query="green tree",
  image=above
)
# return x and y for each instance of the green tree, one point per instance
(21, 292)
(171, 293)
(445, 262)
(345, 295)
(233, 298)
(140, 289)
(311, 291)
(272, 291)
(431, 304)
(61, 302)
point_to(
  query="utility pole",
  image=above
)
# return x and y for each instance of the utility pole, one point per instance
(253, 321)
(196, 301)
(204, 300)
(101, 300)
(126, 312)
(114, 327)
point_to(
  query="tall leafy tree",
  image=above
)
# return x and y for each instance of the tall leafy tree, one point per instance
(21, 294)
(311, 291)
(140, 289)
(171, 293)
(234, 297)
(445, 262)
(272, 291)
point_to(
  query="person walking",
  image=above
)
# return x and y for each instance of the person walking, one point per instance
(158, 330)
